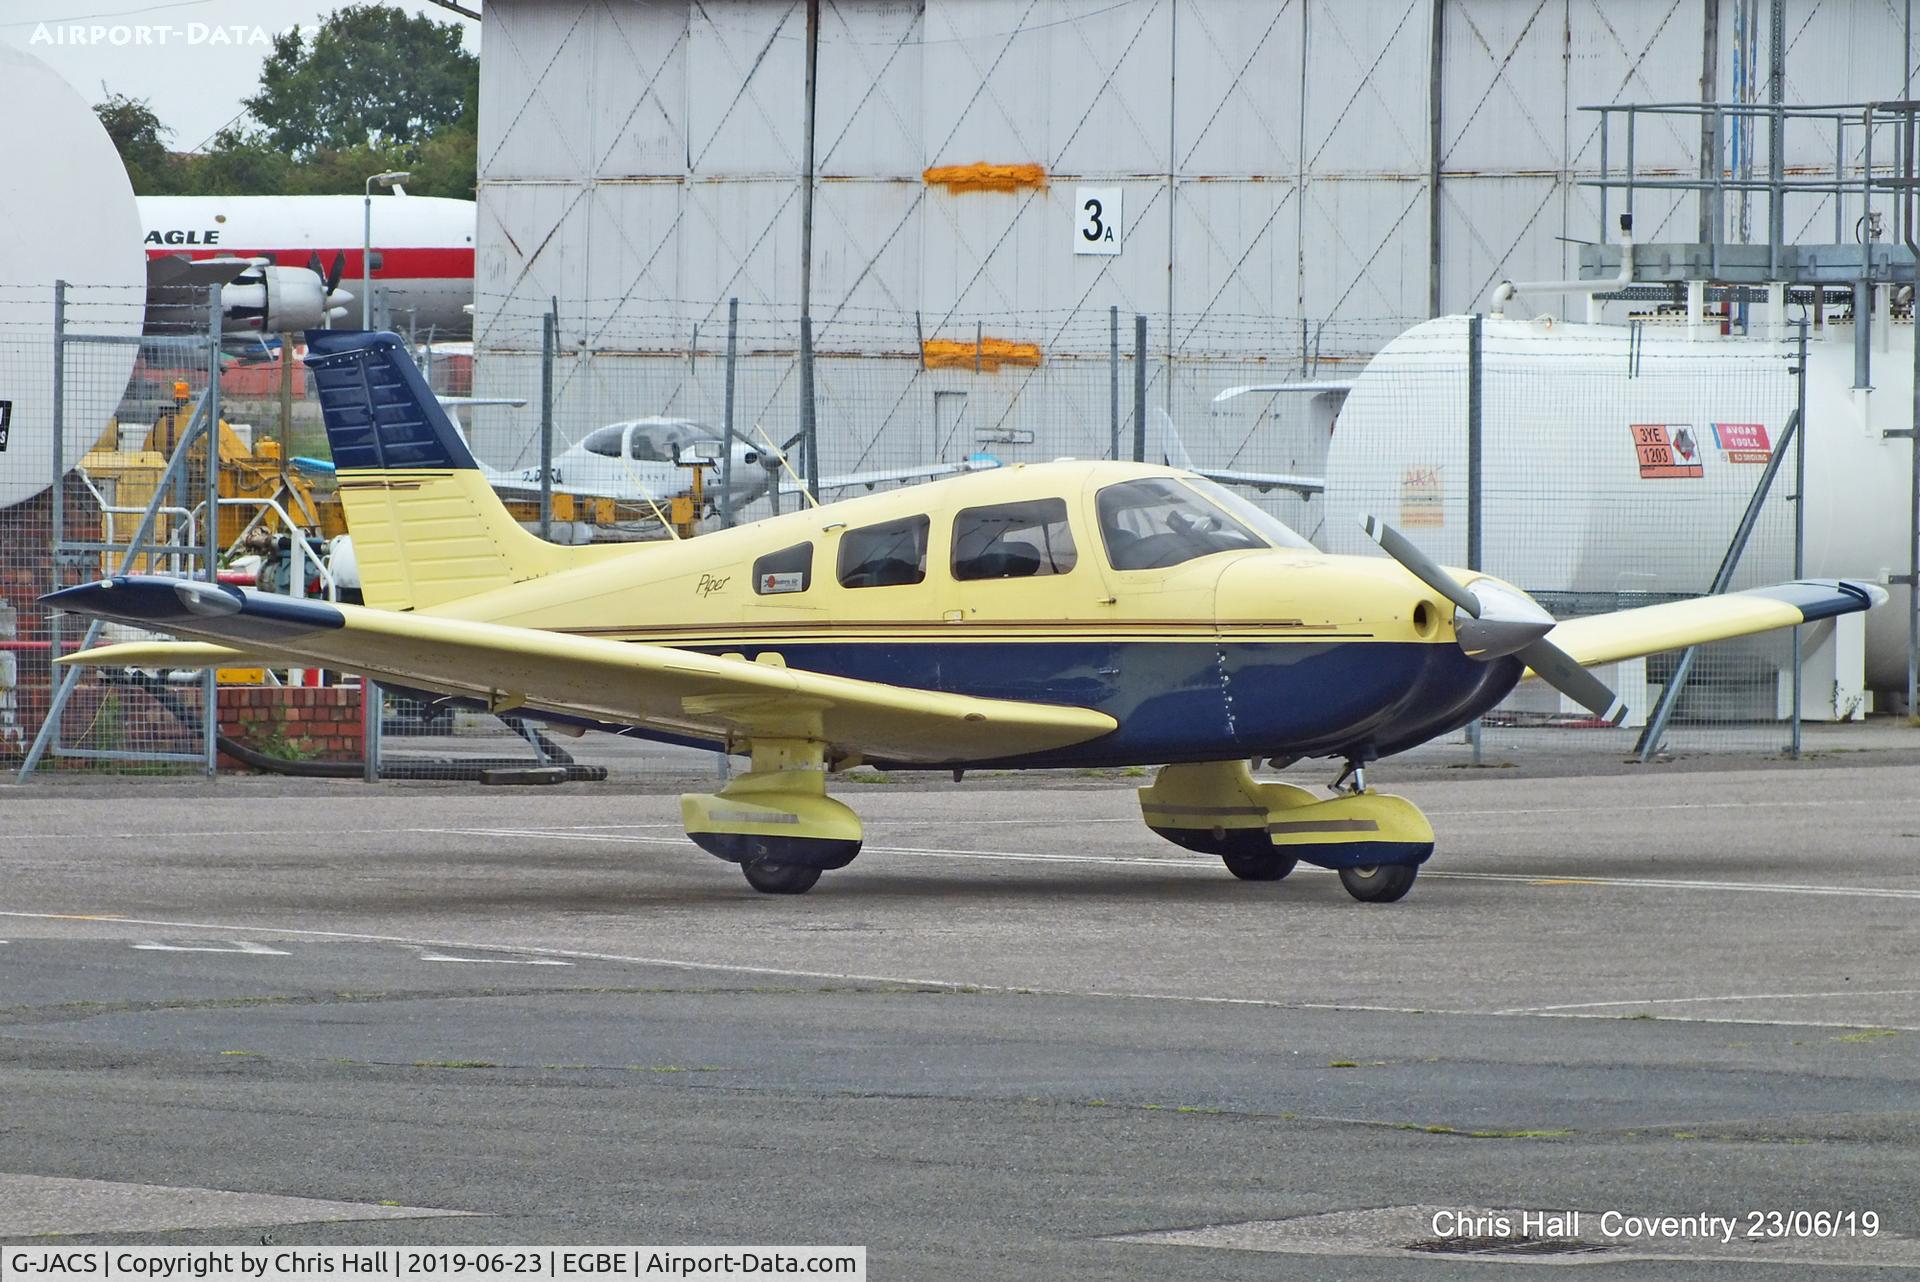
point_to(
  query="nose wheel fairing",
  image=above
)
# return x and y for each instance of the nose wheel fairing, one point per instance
(1219, 808)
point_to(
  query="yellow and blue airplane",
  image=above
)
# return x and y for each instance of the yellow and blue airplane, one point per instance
(1062, 614)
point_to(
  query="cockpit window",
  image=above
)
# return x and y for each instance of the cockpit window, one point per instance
(605, 441)
(1013, 541)
(1254, 517)
(884, 556)
(645, 449)
(1156, 522)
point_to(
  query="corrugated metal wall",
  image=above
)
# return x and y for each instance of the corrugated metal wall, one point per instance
(639, 161)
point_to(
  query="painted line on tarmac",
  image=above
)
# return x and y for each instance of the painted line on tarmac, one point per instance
(241, 948)
(428, 955)
(907, 981)
(1724, 997)
(1756, 804)
(1209, 865)
(1662, 883)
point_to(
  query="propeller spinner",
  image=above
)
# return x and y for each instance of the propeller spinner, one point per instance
(1492, 620)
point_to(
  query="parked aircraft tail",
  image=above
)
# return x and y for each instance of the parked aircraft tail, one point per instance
(426, 526)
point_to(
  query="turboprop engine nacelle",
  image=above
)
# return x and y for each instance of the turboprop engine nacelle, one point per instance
(281, 300)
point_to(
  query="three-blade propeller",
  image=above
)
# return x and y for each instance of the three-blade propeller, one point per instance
(1491, 620)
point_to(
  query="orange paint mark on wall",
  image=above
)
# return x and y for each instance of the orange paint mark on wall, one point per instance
(982, 176)
(945, 353)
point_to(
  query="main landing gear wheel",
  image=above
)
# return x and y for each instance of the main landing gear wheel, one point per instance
(1259, 867)
(1379, 883)
(779, 879)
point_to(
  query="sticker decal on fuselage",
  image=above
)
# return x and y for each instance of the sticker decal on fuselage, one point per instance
(709, 585)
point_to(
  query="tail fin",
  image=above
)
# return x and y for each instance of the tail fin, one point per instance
(426, 526)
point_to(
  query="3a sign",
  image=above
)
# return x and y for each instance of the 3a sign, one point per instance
(1097, 227)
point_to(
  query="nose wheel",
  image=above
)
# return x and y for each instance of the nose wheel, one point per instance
(1379, 883)
(771, 878)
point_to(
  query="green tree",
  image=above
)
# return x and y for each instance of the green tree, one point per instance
(372, 89)
(372, 75)
(142, 142)
(238, 163)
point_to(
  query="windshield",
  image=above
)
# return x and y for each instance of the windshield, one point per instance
(1270, 527)
(1157, 522)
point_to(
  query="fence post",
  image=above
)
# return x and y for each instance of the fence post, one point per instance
(1113, 381)
(547, 345)
(1139, 388)
(210, 679)
(1476, 525)
(1799, 508)
(1913, 547)
(372, 704)
(808, 432)
(726, 459)
(58, 490)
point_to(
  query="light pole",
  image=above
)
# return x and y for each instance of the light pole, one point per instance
(387, 179)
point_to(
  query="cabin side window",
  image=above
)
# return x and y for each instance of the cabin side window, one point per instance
(788, 570)
(1013, 541)
(1157, 522)
(883, 556)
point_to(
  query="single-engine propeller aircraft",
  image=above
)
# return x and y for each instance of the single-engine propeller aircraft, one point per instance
(1059, 614)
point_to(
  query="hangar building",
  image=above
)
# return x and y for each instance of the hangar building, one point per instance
(1289, 183)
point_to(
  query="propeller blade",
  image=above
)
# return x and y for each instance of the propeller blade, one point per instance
(1423, 567)
(1561, 671)
(793, 440)
(338, 270)
(315, 266)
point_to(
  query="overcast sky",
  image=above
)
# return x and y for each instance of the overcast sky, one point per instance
(193, 60)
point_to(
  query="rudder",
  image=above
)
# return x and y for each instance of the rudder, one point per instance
(427, 527)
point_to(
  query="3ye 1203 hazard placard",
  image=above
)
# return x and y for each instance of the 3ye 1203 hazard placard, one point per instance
(1667, 451)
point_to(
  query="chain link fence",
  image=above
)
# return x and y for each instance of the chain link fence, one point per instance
(1613, 471)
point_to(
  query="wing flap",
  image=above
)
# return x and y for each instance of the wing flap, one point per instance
(1627, 634)
(684, 692)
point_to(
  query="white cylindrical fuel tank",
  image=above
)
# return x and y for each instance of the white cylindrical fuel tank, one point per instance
(1619, 459)
(69, 214)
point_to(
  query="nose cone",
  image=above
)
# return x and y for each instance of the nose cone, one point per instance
(1508, 622)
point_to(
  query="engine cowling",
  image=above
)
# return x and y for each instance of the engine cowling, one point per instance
(281, 300)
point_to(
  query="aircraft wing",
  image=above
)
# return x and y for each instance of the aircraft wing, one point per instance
(171, 271)
(1316, 387)
(1627, 634)
(1264, 481)
(1173, 453)
(680, 692)
(924, 471)
(176, 288)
